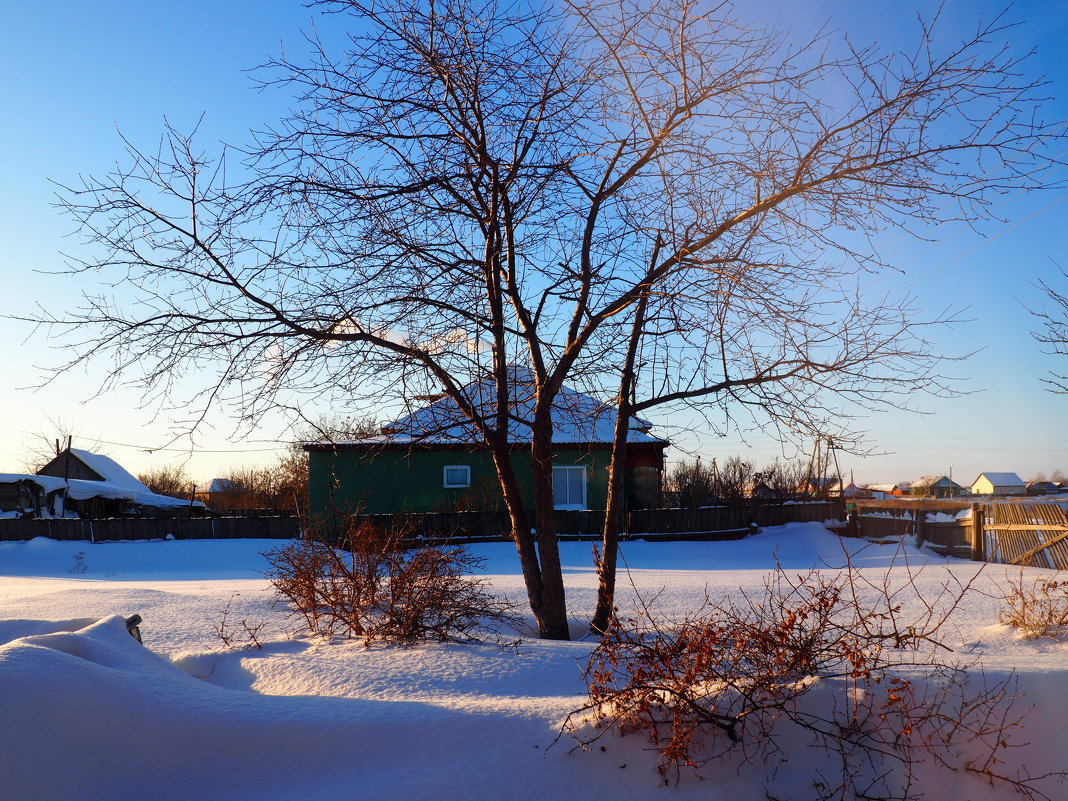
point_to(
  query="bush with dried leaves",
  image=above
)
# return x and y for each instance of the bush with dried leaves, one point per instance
(372, 586)
(830, 660)
(1038, 609)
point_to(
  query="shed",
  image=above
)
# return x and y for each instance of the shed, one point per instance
(94, 485)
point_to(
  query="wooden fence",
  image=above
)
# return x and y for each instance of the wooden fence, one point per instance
(1032, 534)
(709, 523)
(117, 529)
(712, 523)
(1013, 532)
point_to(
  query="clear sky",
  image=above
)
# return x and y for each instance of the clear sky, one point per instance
(76, 73)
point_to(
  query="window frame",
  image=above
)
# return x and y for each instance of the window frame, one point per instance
(445, 476)
(585, 487)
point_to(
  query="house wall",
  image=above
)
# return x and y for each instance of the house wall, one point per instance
(67, 465)
(388, 480)
(983, 486)
(942, 488)
(1013, 489)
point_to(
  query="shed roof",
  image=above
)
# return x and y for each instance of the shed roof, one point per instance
(118, 483)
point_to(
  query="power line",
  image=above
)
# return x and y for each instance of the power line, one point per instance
(165, 449)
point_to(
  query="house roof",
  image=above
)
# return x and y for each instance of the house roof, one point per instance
(823, 482)
(577, 418)
(1001, 479)
(109, 470)
(118, 483)
(927, 481)
(884, 487)
(221, 485)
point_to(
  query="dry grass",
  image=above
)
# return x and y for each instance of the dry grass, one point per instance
(1038, 609)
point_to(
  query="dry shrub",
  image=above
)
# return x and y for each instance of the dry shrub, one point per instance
(372, 586)
(1039, 609)
(829, 662)
(249, 635)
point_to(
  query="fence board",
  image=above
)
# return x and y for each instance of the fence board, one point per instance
(1031, 534)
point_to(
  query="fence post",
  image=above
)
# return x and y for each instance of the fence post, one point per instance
(978, 533)
(921, 527)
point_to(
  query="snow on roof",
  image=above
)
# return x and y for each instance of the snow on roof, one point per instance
(576, 417)
(927, 481)
(883, 487)
(111, 471)
(1001, 479)
(118, 483)
(220, 485)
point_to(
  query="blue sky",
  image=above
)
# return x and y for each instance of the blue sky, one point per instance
(74, 73)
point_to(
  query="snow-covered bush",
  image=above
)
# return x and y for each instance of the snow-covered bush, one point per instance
(1039, 609)
(822, 667)
(373, 587)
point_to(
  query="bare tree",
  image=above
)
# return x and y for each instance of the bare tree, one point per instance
(655, 201)
(690, 485)
(783, 478)
(45, 445)
(1053, 318)
(168, 480)
(292, 467)
(693, 484)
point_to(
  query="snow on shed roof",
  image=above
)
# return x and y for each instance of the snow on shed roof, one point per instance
(118, 483)
(110, 470)
(577, 418)
(1002, 479)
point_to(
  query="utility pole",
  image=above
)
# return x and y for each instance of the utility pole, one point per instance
(832, 450)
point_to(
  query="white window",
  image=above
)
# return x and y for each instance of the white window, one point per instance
(569, 487)
(457, 475)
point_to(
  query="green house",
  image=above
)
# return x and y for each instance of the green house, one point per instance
(431, 461)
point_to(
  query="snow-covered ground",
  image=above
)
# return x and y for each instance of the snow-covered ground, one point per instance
(87, 713)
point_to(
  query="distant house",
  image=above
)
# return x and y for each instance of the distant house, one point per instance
(824, 486)
(936, 487)
(851, 490)
(91, 485)
(999, 484)
(832, 487)
(761, 491)
(220, 485)
(880, 491)
(222, 494)
(1043, 488)
(432, 460)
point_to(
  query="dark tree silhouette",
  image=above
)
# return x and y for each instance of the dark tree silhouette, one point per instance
(653, 201)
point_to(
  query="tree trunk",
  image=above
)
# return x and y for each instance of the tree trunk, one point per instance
(606, 567)
(521, 535)
(552, 624)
